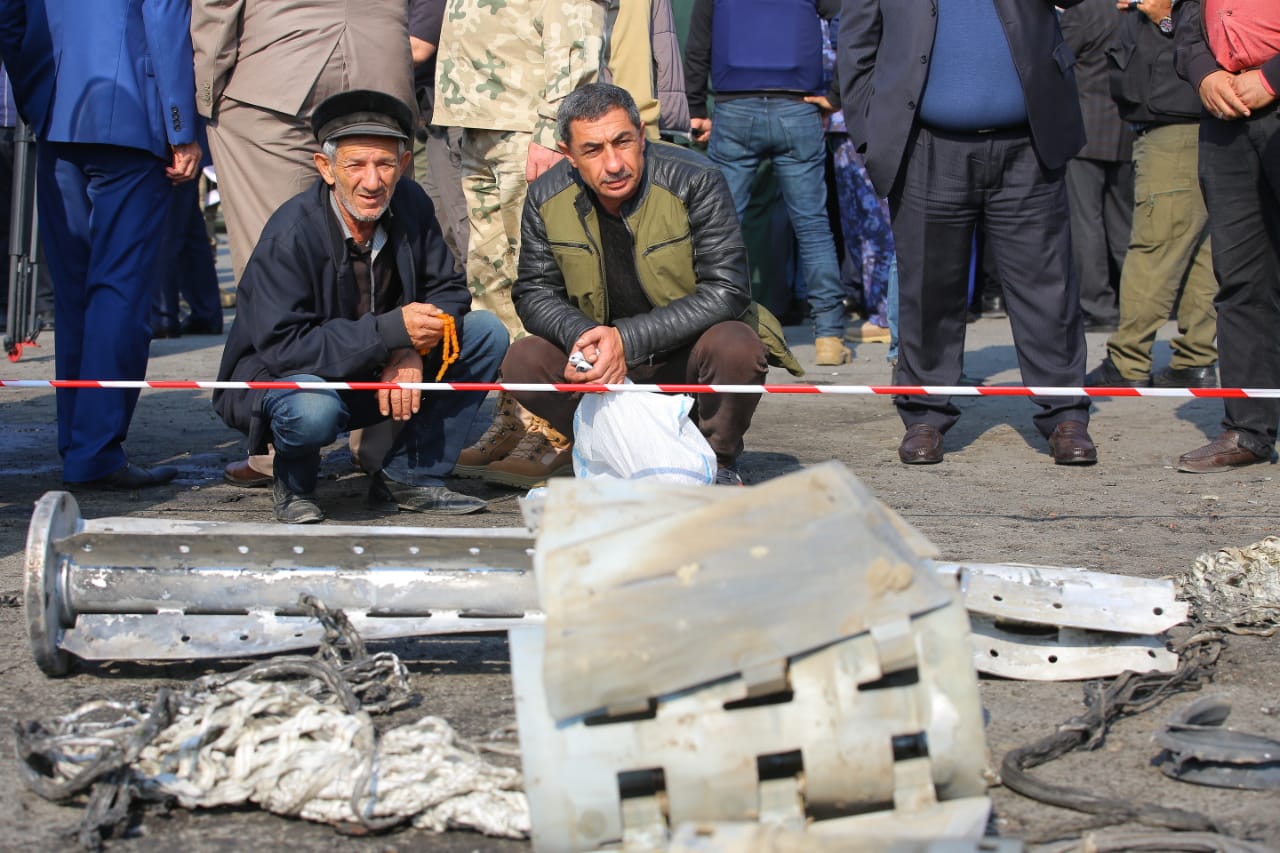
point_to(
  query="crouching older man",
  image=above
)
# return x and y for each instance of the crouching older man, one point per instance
(351, 281)
(631, 254)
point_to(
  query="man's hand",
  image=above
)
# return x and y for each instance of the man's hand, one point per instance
(539, 160)
(602, 346)
(1218, 94)
(700, 130)
(423, 322)
(184, 163)
(1248, 87)
(1156, 10)
(824, 106)
(401, 404)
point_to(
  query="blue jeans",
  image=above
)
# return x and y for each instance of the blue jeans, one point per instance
(745, 131)
(303, 422)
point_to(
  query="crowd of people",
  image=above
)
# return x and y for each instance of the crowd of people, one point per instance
(461, 188)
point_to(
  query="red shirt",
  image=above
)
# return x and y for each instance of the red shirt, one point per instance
(1242, 33)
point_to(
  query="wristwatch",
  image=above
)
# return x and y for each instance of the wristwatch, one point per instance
(1165, 24)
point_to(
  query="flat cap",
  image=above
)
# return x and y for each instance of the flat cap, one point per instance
(362, 112)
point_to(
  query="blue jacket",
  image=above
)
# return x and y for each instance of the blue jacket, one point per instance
(113, 72)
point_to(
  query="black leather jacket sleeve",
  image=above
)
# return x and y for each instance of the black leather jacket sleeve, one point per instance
(539, 294)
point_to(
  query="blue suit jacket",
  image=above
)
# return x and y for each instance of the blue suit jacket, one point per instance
(114, 72)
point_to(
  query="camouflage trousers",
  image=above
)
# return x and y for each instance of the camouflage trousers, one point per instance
(493, 182)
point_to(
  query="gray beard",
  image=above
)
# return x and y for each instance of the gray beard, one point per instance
(349, 207)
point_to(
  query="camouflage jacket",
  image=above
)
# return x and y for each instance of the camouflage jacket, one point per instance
(507, 64)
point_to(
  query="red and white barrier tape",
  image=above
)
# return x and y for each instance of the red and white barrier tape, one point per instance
(936, 390)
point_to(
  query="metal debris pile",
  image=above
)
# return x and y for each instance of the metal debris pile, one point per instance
(293, 735)
(1236, 589)
(1232, 591)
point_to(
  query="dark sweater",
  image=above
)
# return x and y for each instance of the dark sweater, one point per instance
(697, 60)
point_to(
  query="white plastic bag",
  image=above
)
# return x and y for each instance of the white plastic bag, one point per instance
(638, 435)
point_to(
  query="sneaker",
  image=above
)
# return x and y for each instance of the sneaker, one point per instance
(541, 453)
(498, 440)
(993, 306)
(831, 350)
(727, 476)
(868, 333)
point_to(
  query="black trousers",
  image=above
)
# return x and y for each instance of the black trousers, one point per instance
(950, 183)
(1240, 178)
(1100, 193)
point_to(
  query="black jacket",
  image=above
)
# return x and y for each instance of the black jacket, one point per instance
(885, 47)
(295, 305)
(1144, 83)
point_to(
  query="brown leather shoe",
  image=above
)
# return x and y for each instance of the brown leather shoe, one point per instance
(922, 445)
(1221, 454)
(239, 473)
(1069, 444)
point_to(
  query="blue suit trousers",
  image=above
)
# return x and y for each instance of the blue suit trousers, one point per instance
(102, 213)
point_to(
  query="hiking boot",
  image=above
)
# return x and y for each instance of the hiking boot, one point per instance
(868, 333)
(294, 508)
(541, 453)
(831, 350)
(499, 439)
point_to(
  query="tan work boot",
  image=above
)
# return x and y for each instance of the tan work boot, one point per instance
(502, 436)
(831, 350)
(542, 453)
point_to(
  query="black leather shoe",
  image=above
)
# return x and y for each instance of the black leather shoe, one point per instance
(294, 508)
(197, 327)
(1069, 444)
(1097, 324)
(1107, 375)
(1187, 377)
(922, 445)
(128, 478)
(1221, 454)
(165, 331)
(389, 496)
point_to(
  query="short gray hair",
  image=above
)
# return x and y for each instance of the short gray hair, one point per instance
(591, 101)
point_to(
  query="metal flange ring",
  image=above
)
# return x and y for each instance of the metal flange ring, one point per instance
(56, 516)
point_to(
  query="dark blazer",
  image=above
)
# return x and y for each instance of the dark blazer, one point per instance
(884, 53)
(1090, 29)
(295, 304)
(112, 72)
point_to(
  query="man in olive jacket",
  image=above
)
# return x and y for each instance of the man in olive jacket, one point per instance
(631, 255)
